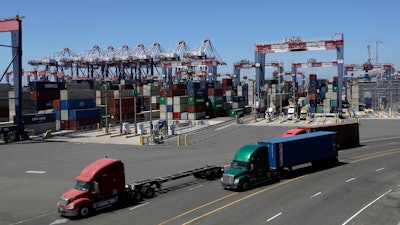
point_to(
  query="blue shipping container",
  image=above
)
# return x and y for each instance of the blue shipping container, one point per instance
(77, 104)
(35, 118)
(195, 93)
(83, 114)
(314, 146)
(57, 114)
(193, 85)
(170, 108)
(368, 101)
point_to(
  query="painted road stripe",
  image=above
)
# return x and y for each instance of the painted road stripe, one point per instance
(316, 194)
(138, 206)
(274, 217)
(352, 217)
(35, 171)
(59, 221)
(196, 187)
(379, 169)
(34, 218)
(351, 179)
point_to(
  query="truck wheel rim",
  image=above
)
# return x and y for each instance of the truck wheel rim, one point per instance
(84, 211)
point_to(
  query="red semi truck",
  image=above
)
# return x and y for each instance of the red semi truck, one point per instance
(102, 184)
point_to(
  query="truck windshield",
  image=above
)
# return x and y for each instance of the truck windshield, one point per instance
(239, 165)
(83, 186)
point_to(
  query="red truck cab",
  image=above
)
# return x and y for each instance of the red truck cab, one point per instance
(99, 185)
(293, 132)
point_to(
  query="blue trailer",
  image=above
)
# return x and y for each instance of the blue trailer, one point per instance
(272, 158)
(316, 148)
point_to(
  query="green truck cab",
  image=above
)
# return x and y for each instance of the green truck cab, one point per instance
(248, 168)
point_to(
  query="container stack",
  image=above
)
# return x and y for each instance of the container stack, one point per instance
(368, 100)
(127, 106)
(250, 92)
(355, 97)
(167, 100)
(76, 108)
(227, 84)
(197, 96)
(215, 102)
(42, 94)
(26, 103)
(180, 108)
(37, 123)
(312, 92)
(4, 102)
(332, 93)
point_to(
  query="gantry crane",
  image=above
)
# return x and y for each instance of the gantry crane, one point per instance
(296, 44)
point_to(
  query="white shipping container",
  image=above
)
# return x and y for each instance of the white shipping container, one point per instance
(163, 108)
(77, 94)
(180, 108)
(235, 105)
(184, 116)
(367, 94)
(180, 100)
(170, 115)
(64, 114)
(25, 95)
(155, 99)
(124, 93)
(196, 116)
(170, 100)
(229, 93)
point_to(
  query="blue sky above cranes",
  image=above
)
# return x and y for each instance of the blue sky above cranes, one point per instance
(232, 26)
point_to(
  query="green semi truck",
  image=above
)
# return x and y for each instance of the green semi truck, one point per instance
(270, 159)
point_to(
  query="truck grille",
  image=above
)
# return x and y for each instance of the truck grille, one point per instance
(227, 178)
(63, 201)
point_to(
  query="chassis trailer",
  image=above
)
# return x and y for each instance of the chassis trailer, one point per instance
(101, 184)
(272, 158)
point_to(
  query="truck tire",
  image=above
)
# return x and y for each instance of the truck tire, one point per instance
(217, 172)
(137, 196)
(209, 175)
(83, 211)
(245, 186)
(148, 192)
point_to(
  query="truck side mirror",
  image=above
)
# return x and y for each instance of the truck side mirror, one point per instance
(251, 167)
(95, 187)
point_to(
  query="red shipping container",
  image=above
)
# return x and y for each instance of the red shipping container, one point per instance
(313, 96)
(177, 116)
(147, 100)
(196, 108)
(179, 86)
(215, 92)
(155, 106)
(64, 124)
(74, 124)
(56, 104)
(44, 94)
(126, 101)
(4, 112)
(172, 93)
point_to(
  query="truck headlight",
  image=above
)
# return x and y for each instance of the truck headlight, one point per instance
(72, 206)
(236, 181)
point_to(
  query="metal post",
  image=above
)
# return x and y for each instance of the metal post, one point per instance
(120, 109)
(134, 106)
(106, 109)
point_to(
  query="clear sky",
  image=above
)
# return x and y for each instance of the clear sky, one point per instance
(232, 26)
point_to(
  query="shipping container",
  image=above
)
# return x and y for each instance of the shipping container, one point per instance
(77, 104)
(83, 114)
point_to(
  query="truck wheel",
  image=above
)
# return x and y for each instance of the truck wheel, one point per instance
(209, 175)
(245, 186)
(148, 192)
(137, 196)
(84, 211)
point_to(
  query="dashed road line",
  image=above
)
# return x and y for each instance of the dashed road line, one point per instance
(380, 169)
(351, 179)
(316, 194)
(138, 206)
(268, 220)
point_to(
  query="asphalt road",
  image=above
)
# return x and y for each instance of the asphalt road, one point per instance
(363, 190)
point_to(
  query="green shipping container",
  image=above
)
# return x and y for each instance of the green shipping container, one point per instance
(218, 98)
(334, 103)
(196, 101)
(234, 112)
(335, 89)
(163, 100)
(216, 105)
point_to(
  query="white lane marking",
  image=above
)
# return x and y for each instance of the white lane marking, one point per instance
(316, 194)
(392, 143)
(223, 127)
(35, 171)
(380, 139)
(351, 179)
(59, 221)
(190, 189)
(274, 217)
(352, 217)
(34, 218)
(138, 206)
(379, 169)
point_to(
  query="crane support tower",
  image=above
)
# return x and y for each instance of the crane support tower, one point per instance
(14, 25)
(296, 44)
